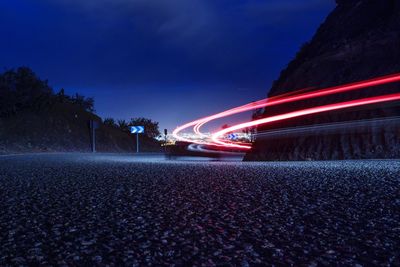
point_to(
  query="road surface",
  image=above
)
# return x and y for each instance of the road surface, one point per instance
(80, 209)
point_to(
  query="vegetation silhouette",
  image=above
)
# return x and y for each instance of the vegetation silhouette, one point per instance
(58, 121)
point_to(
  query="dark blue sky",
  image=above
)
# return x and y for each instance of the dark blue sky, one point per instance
(168, 60)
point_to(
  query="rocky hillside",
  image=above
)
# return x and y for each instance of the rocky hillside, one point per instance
(35, 119)
(64, 128)
(359, 40)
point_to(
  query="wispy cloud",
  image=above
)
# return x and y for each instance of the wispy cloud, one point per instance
(177, 19)
(165, 41)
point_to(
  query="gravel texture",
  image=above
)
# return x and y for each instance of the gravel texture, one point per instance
(77, 209)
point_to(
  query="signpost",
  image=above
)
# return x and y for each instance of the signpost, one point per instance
(137, 130)
(93, 125)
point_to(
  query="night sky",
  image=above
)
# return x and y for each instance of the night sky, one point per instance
(169, 60)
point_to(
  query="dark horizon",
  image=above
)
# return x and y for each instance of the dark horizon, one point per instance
(171, 62)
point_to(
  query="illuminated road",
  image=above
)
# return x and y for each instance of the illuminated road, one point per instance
(217, 139)
(127, 210)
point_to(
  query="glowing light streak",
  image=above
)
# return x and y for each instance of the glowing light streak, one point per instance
(343, 105)
(281, 99)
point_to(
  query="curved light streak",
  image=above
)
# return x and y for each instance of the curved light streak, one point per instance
(280, 99)
(247, 107)
(297, 96)
(342, 105)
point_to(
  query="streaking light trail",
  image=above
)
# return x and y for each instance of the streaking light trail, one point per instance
(309, 111)
(282, 99)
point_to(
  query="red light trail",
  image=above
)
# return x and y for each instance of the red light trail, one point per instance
(299, 113)
(282, 99)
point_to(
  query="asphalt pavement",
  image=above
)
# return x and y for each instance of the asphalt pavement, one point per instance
(127, 210)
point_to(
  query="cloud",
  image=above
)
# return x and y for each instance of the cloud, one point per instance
(136, 42)
(175, 19)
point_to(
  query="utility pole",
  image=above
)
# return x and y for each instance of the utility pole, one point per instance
(137, 142)
(93, 140)
(93, 125)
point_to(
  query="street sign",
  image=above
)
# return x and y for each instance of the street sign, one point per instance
(137, 129)
(232, 136)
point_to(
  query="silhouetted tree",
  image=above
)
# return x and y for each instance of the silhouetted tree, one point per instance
(110, 122)
(123, 125)
(62, 97)
(22, 89)
(78, 99)
(88, 104)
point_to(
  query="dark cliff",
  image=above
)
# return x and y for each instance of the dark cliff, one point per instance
(359, 40)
